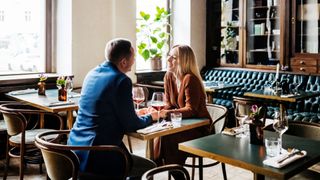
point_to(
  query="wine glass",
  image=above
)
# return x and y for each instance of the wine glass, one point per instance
(297, 81)
(242, 119)
(158, 102)
(138, 96)
(69, 87)
(280, 125)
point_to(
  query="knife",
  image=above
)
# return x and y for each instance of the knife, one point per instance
(289, 156)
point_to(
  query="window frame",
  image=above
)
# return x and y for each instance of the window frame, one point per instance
(49, 36)
(48, 41)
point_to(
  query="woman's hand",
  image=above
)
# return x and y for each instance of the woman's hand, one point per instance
(163, 113)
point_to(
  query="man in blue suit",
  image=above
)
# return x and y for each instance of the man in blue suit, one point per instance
(106, 112)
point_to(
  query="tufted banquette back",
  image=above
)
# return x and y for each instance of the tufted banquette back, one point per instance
(307, 110)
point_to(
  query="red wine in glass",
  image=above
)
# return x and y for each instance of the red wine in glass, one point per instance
(138, 96)
(158, 105)
(158, 102)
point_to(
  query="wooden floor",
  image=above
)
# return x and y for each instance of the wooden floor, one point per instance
(233, 173)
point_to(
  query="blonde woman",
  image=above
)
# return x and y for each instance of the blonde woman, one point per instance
(184, 93)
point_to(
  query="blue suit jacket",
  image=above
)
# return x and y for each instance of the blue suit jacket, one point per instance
(105, 113)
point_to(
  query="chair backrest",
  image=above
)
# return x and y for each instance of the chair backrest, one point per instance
(15, 121)
(60, 160)
(304, 129)
(218, 115)
(17, 117)
(170, 168)
(242, 107)
(3, 127)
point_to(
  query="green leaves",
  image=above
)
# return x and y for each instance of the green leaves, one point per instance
(144, 15)
(152, 35)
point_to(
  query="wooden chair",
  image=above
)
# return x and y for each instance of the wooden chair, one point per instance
(219, 119)
(62, 163)
(306, 130)
(20, 137)
(3, 131)
(170, 168)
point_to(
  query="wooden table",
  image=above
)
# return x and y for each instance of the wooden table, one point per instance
(42, 102)
(281, 99)
(213, 87)
(240, 153)
(186, 124)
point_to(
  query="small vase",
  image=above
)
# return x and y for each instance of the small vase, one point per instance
(41, 88)
(256, 134)
(62, 94)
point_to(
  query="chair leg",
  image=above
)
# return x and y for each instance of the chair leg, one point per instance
(40, 168)
(223, 166)
(21, 171)
(200, 168)
(7, 161)
(193, 164)
(129, 144)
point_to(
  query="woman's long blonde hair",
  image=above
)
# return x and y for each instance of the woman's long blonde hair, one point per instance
(187, 63)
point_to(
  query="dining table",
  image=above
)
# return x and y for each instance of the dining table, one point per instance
(49, 102)
(283, 99)
(240, 153)
(186, 124)
(211, 87)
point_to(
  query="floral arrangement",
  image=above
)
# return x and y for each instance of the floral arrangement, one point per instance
(256, 115)
(61, 81)
(42, 77)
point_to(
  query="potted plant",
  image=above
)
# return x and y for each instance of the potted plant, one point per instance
(62, 92)
(42, 84)
(153, 36)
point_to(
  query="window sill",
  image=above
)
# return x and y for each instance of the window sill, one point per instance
(18, 82)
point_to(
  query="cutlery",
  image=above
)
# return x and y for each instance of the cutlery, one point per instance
(294, 152)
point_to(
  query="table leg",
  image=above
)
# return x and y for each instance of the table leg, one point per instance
(41, 125)
(149, 150)
(69, 119)
(209, 97)
(258, 176)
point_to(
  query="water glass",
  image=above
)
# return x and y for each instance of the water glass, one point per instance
(176, 118)
(272, 145)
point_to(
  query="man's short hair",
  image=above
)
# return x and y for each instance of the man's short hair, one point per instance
(118, 49)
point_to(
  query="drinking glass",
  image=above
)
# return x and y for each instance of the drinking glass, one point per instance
(297, 81)
(138, 96)
(280, 125)
(158, 102)
(242, 120)
(69, 87)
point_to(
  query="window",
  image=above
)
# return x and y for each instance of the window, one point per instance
(24, 35)
(149, 7)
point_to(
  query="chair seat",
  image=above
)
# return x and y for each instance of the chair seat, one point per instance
(30, 136)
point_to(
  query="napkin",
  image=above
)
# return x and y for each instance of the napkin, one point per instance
(25, 91)
(155, 127)
(60, 103)
(287, 95)
(274, 160)
(75, 95)
(233, 131)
